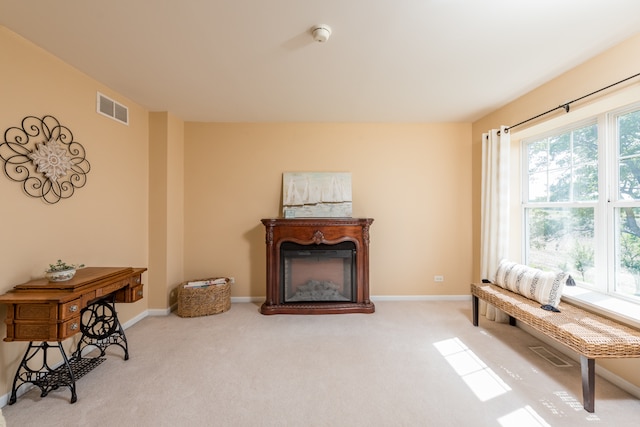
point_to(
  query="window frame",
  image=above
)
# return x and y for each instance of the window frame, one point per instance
(605, 207)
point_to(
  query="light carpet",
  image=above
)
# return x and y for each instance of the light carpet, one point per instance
(411, 363)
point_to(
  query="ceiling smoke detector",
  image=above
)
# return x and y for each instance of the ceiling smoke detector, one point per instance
(321, 33)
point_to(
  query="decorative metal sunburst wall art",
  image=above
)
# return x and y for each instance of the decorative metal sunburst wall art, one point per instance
(43, 156)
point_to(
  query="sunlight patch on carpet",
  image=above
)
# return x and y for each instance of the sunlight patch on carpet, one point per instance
(484, 383)
(523, 417)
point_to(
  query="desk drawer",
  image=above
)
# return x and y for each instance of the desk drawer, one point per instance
(137, 293)
(69, 328)
(70, 309)
(131, 294)
(34, 331)
(106, 290)
(28, 311)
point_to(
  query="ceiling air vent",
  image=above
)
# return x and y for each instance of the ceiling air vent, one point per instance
(110, 108)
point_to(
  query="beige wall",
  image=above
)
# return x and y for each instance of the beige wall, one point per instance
(103, 223)
(614, 65)
(166, 207)
(413, 179)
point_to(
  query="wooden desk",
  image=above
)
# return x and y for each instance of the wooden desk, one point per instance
(45, 311)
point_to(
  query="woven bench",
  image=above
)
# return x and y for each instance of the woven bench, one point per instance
(589, 335)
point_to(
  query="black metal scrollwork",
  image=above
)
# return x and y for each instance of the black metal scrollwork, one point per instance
(101, 328)
(43, 156)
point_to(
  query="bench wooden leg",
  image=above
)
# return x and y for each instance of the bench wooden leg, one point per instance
(588, 368)
(474, 306)
(512, 321)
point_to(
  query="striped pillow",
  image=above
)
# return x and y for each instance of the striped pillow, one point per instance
(542, 286)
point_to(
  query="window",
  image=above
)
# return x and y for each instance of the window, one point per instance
(581, 202)
(626, 203)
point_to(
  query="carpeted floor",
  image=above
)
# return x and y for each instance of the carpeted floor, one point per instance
(409, 364)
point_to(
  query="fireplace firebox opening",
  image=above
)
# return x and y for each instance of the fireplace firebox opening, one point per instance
(318, 273)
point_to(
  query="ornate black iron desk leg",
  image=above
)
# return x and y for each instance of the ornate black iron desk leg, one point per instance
(43, 376)
(101, 328)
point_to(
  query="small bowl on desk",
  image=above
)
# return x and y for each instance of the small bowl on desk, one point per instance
(60, 276)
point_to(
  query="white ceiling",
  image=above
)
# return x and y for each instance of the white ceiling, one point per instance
(386, 61)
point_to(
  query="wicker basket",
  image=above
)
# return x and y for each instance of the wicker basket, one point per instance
(213, 299)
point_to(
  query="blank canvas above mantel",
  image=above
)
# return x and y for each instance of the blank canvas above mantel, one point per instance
(316, 194)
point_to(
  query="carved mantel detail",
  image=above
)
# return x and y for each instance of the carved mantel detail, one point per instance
(318, 237)
(269, 236)
(365, 234)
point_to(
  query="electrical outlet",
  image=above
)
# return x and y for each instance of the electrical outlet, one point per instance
(438, 278)
(232, 280)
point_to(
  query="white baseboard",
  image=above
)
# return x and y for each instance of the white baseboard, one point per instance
(247, 299)
(159, 312)
(421, 298)
(4, 399)
(136, 319)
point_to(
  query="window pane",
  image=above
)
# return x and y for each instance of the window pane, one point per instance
(560, 185)
(585, 182)
(629, 162)
(562, 239)
(564, 167)
(538, 187)
(585, 158)
(560, 151)
(628, 251)
(537, 155)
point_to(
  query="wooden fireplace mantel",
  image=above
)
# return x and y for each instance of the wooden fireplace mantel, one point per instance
(316, 231)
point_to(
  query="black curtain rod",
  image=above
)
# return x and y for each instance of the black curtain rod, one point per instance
(566, 105)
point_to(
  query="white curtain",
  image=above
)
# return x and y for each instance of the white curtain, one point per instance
(494, 232)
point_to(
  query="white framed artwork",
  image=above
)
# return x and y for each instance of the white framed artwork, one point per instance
(316, 195)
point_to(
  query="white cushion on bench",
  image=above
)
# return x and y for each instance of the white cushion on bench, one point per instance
(542, 286)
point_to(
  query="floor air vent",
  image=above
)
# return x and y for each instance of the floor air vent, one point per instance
(555, 360)
(110, 108)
